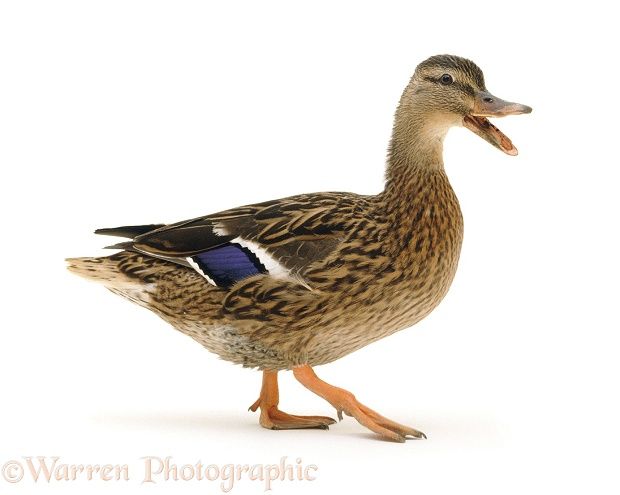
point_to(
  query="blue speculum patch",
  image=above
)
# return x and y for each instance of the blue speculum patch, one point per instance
(228, 264)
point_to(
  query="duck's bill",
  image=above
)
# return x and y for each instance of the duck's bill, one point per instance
(487, 105)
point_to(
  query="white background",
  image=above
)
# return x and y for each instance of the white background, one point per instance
(125, 112)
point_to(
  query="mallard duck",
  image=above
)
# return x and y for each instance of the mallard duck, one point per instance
(298, 282)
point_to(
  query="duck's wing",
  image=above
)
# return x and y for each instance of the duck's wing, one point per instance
(282, 237)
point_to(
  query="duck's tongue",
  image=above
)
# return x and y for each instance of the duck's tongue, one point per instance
(487, 131)
(487, 105)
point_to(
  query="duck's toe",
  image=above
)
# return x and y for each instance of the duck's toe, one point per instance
(274, 419)
(345, 401)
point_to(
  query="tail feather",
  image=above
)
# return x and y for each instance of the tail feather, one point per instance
(103, 270)
(122, 269)
(113, 273)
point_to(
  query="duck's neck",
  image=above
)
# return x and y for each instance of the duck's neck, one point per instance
(418, 202)
(415, 153)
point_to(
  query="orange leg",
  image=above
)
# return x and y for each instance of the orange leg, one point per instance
(274, 419)
(346, 402)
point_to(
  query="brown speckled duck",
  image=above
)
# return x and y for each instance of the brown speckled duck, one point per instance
(294, 283)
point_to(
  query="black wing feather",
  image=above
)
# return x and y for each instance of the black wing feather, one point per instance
(129, 231)
(296, 231)
(182, 239)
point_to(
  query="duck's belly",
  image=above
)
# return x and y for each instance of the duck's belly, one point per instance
(332, 330)
(313, 327)
(231, 343)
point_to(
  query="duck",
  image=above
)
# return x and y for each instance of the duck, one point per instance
(299, 282)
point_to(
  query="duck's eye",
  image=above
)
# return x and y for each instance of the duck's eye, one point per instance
(446, 79)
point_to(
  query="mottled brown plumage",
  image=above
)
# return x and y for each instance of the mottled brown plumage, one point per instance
(349, 269)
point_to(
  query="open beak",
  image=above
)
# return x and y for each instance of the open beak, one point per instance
(487, 105)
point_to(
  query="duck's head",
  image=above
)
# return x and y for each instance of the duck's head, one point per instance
(447, 91)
